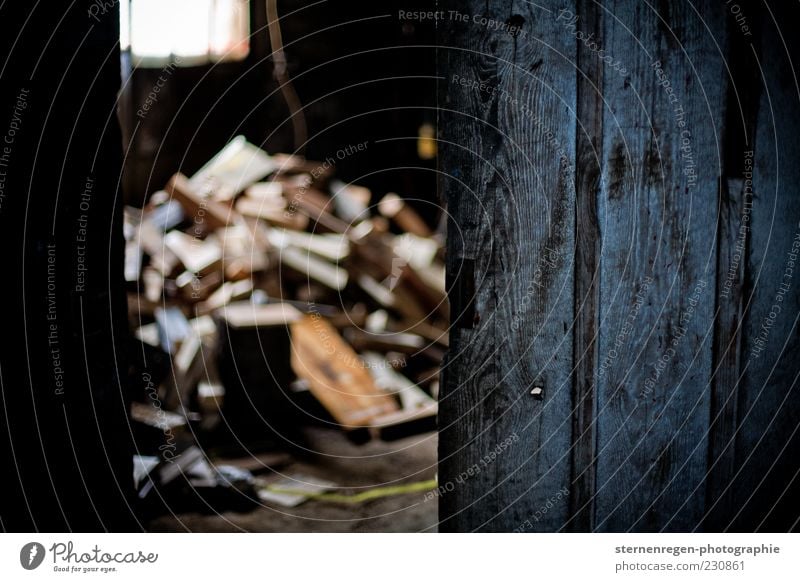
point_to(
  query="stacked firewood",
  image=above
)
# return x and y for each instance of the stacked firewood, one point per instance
(267, 285)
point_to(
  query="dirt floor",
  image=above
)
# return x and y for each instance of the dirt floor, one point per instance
(355, 468)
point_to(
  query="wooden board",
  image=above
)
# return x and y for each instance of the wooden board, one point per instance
(336, 375)
(394, 207)
(202, 211)
(736, 198)
(197, 255)
(659, 225)
(245, 314)
(763, 484)
(272, 214)
(509, 190)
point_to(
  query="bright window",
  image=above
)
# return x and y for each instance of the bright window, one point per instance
(189, 32)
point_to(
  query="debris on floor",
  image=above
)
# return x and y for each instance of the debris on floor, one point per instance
(381, 486)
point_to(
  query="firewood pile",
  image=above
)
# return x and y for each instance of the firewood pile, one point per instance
(266, 295)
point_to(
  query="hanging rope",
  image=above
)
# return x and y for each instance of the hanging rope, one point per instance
(281, 75)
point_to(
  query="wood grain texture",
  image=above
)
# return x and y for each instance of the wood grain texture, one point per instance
(764, 485)
(658, 226)
(508, 161)
(736, 200)
(468, 372)
(596, 252)
(587, 273)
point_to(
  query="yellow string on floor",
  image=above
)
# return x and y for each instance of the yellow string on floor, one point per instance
(368, 495)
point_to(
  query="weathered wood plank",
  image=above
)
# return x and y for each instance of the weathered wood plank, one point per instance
(587, 275)
(658, 214)
(764, 497)
(682, 408)
(468, 371)
(508, 148)
(736, 199)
